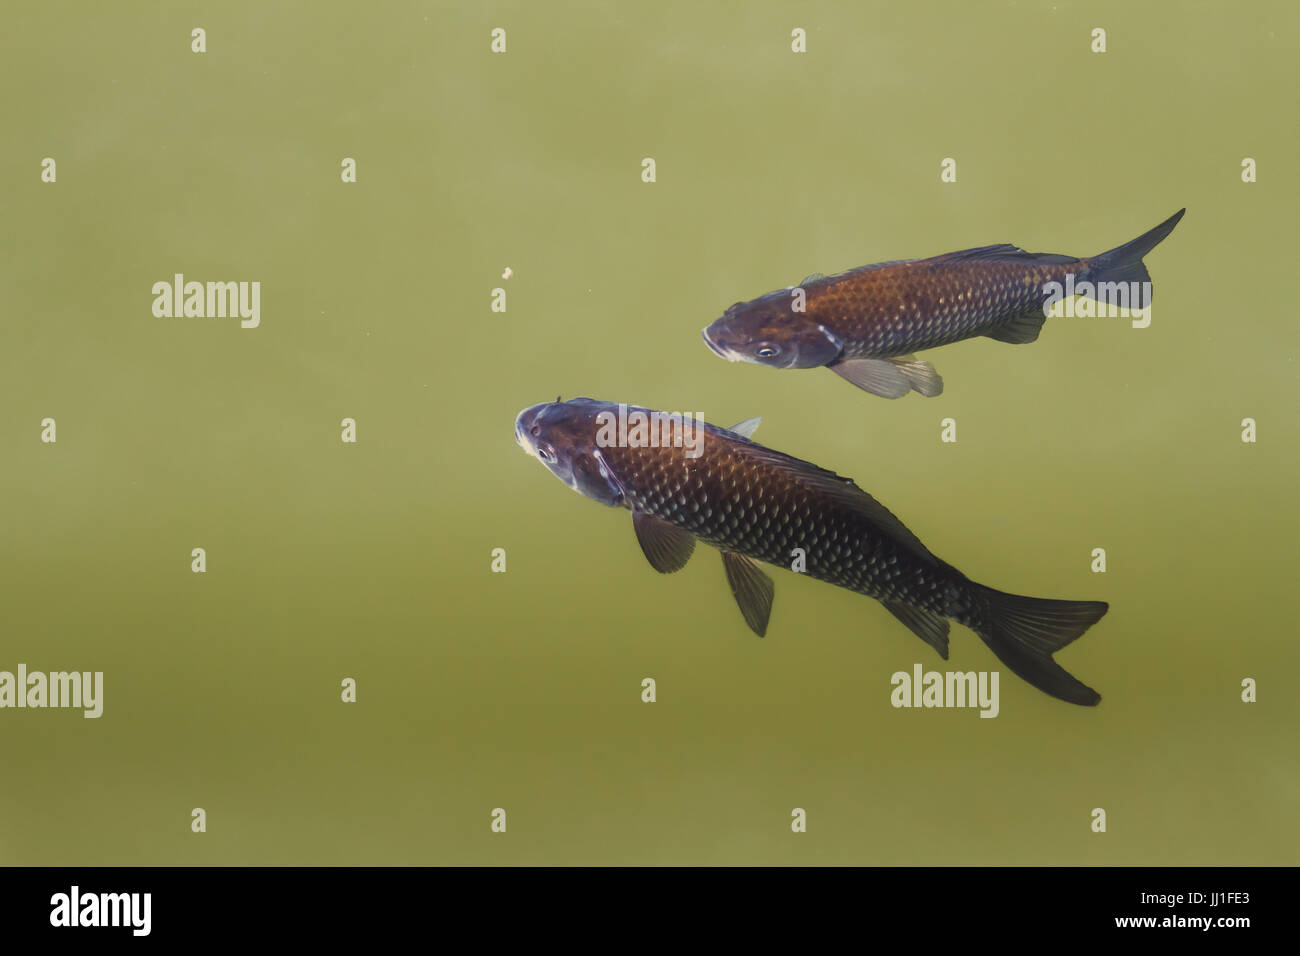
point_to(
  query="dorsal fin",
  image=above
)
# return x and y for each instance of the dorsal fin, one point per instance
(818, 277)
(1002, 252)
(873, 266)
(746, 428)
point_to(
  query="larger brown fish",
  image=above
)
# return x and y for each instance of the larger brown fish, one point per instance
(752, 503)
(865, 324)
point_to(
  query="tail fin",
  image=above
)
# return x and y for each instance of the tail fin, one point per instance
(1124, 263)
(1025, 632)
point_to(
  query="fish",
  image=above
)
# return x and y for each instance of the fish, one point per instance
(756, 505)
(867, 324)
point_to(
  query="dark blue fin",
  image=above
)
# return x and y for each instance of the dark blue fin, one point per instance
(928, 626)
(666, 546)
(1025, 632)
(1124, 263)
(1002, 252)
(1021, 329)
(752, 588)
(873, 266)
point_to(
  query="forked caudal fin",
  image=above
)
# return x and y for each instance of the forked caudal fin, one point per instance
(1025, 632)
(1124, 263)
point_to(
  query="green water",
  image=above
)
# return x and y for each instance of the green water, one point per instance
(371, 560)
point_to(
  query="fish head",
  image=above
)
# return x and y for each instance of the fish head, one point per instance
(562, 436)
(766, 332)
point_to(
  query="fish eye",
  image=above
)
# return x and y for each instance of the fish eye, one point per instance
(546, 453)
(767, 350)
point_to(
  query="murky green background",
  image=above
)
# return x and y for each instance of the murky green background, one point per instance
(522, 690)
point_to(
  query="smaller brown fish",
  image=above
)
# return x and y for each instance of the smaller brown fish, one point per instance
(865, 324)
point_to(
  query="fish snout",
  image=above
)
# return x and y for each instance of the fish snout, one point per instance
(525, 422)
(710, 336)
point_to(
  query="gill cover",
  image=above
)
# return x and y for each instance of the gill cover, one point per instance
(815, 346)
(593, 479)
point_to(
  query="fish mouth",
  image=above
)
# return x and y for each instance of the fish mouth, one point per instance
(716, 349)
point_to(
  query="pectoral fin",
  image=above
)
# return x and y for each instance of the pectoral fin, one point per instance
(890, 377)
(873, 375)
(928, 626)
(666, 546)
(752, 588)
(921, 376)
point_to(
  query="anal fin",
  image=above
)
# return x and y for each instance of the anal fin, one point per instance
(927, 625)
(1021, 330)
(666, 546)
(752, 588)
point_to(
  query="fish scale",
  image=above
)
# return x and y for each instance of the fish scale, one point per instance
(733, 482)
(911, 306)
